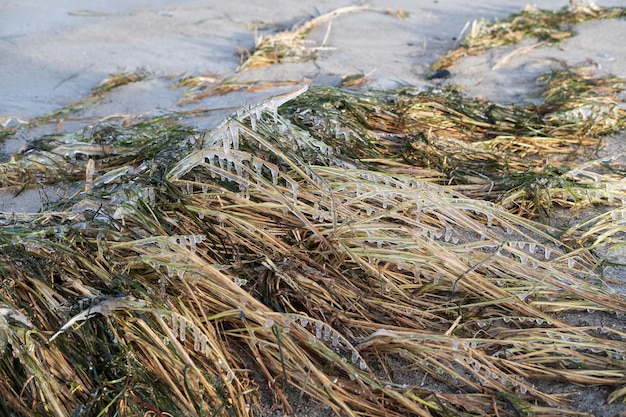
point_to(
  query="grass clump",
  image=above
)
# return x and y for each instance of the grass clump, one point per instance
(547, 26)
(290, 44)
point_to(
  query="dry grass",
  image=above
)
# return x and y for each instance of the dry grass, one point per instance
(299, 248)
(308, 241)
(547, 26)
(291, 45)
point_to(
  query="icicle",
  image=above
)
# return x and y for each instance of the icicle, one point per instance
(294, 190)
(327, 331)
(548, 252)
(571, 262)
(235, 133)
(489, 220)
(227, 140)
(304, 322)
(269, 322)
(274, 172)
(318, 329)
(196, 339)
(238, 169)
(253, 119)
(257, 164)
(193, 239)
(175, 324)
(182, 329)
(531, 248)
(355, 356)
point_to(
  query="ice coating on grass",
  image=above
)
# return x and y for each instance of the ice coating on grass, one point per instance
(318, 329)
(187, 241)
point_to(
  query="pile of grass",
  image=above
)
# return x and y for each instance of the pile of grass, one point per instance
(291, 45)
(303, 247)
(546, 26)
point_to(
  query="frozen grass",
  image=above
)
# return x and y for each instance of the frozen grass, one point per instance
(302, 245)
(312, 238)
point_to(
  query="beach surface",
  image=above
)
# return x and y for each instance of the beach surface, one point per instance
(54, 53)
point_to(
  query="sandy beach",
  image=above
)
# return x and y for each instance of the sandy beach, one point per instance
(55, 53)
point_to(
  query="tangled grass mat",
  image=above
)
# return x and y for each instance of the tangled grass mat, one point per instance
(307, 246)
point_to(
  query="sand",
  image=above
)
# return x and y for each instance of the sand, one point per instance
(54, 52)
